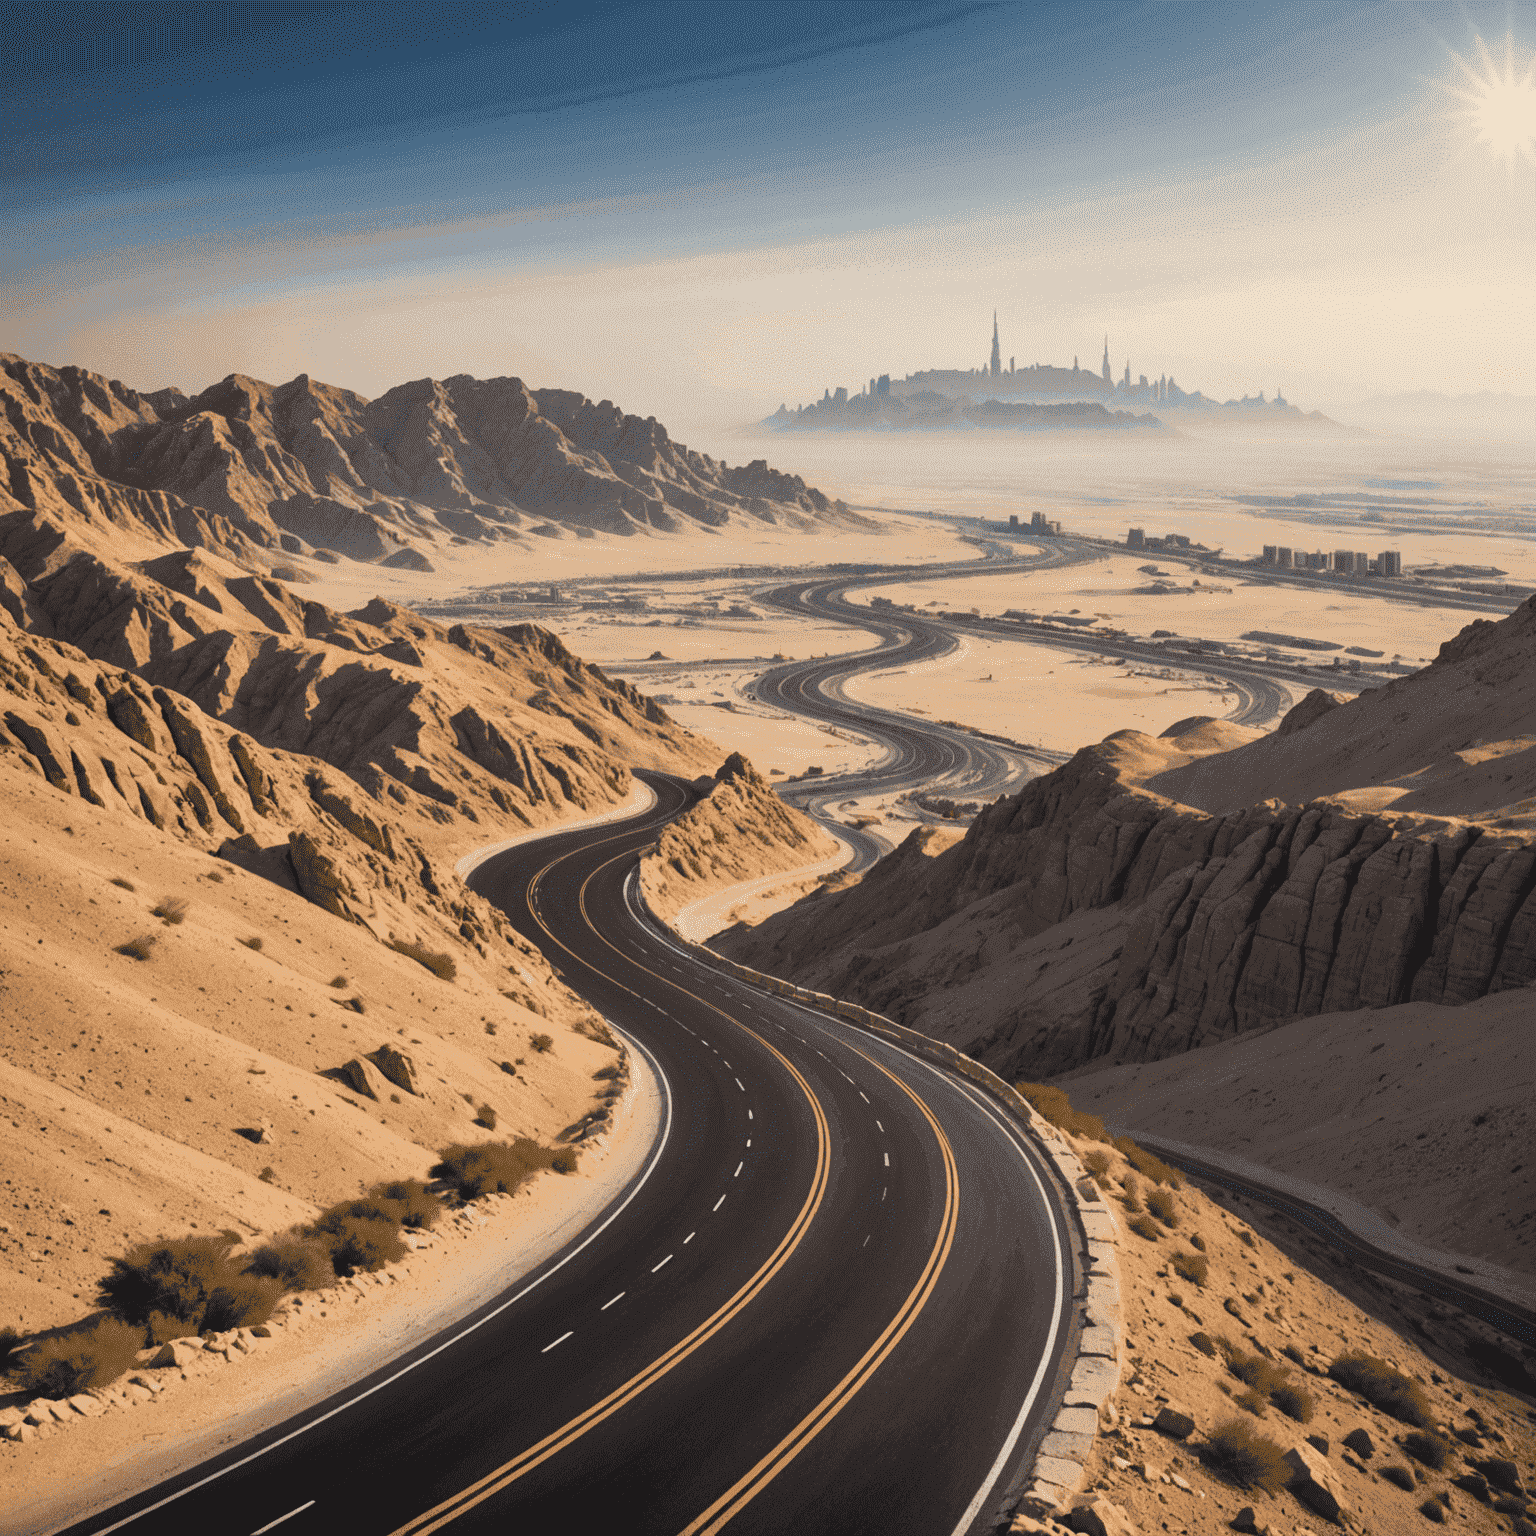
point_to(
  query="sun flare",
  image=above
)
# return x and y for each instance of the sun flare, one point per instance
(1499, 102)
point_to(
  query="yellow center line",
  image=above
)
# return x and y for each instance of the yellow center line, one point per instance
(746, 1488)
(506, 1474)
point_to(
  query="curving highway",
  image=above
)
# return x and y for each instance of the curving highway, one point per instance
(837, 1299)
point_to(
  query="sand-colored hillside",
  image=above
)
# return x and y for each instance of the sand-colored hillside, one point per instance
(1421, 1112)
(1456, 739)
(1272, 1292)
(739, 832)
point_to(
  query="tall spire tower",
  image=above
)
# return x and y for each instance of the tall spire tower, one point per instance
(1109, 378)
(997, 350)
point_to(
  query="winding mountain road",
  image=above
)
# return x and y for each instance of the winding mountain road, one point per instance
(837, 1299)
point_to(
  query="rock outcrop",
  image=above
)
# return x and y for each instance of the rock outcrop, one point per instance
(253, 470)
(1094, 916)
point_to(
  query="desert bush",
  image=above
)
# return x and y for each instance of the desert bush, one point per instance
(1191, 1266)
(490, 1027)
(1161, 1203)
(606, 1074)
(1097, 1164)
(1053, 1105)
(300, 1263)
(1292, 1352)
(11, 1342)
(1401, 1476)
(542, 1043)
(492, 1167)
(268, 1175)
(215, 876)
(186, 1279)
(1433, 1511)
(1260, 1374)
(1378, 1383)
(442, 966)
(1204, 1343)
(486, 1116)
(1130, 1196)
(1229, 1350)
(1144, 1162)
(564, 1161)
(362, 1242)
(1196, 1241)
(140, 948)
(1238, 1453)
(338, 981)
(94, 1356)
(254, 942)
(1254, 1401)
(171, 911)
(126, 885)
(1246, 1237)
(1294, 1401)
(408, 1201)
(1430, 1449)
(1144, 1226)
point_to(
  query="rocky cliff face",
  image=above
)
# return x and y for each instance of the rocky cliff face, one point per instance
(251, 469)
(1089, 917)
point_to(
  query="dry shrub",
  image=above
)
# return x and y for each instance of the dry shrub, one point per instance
(486, 1116)
(493, 1167)
(1161, 1203)
(126, 885)
(564, 1161)
(490, 1027)
(1401, 1476)
(162, 1328)
(1245, 1236)
(1204, 1343)
(1097, 1164)
(1144, 1226)
(140, 948)
(338, 981)
(1293, 1352)
(171, 911)
(408, 1201)
(254, 942)
(1144, 1162)
(300, 1263)
(442, 966)
(1053, 1105)
(268, 1175)
(1131, 1192)
(593, 1029)
(82, 1359)
(1254, 1401)
(10, 1342)
(606, 1074)
(542, 1043)
(1294, 1401)
(189, 1280)
(1430, 1449)
(1260, 1374)
(1191, 1266)
(214, 875)
(1238, 1453)
(1388, 1389)
(358, 1234)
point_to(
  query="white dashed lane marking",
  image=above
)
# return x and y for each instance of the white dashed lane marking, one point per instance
(739, 1167)
(273, 1524)
(607, 1304)
(561, 1340)
(689, 1238)
(663, 1263)
(739, 1085)
(887, 1159)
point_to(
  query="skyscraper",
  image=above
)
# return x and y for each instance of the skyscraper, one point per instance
(1109, 378)
(997, 351)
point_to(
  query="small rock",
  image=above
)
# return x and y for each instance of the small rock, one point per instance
(1508, 1504)
(1150, 1470)
(1027, 1525)
(1502, 1474)
(1178, 1482)
(1313, 1482)
(1174, 1421)
(1245, 1520)
(1318, 1443)
(1120, 1463)
(1360, 1443)
(39, 1412)
(22, 1432)
(178, 1353)
(138, 1394)
(146, 1381)
(261, 1331)
(1100, 1518)
(85, 1405)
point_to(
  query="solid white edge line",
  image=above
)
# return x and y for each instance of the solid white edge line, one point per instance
(596, 1232)
(561, 1340)
(273, 1524)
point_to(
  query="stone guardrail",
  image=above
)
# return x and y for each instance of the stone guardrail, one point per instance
(1057, 1472)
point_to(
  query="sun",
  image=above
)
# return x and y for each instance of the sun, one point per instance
(1499, 102)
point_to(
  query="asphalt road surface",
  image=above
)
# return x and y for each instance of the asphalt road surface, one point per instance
(838, 1299)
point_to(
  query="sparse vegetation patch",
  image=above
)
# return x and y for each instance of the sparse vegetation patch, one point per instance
(171, 911)
(254, 942)
(1238, 1453)
(192, 1281)
(441, 965)
(82, 1359)
(495, 1167)
(140, 948)
(542, 1043)
(1191, 1266)
(1388, 1389)
(1052, 1104)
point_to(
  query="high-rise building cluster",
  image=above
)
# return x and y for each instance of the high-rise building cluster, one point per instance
(1349, 562)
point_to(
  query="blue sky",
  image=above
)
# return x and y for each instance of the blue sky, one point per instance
(673, 203)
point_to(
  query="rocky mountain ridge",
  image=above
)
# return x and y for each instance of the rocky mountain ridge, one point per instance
(306, 469)
(1090, 917)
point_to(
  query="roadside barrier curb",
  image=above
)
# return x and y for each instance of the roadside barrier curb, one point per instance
(1057, 1471)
